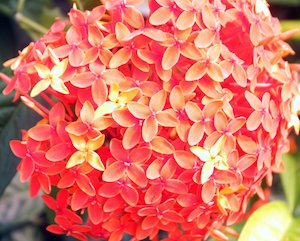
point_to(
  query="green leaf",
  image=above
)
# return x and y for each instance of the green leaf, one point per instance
(289, 180)
(269, 222)
(21, 118)
(285, 2)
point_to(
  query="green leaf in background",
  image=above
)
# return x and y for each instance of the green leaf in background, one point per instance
(285, 2)
(289, 180)
(21, 118)
(270, 222)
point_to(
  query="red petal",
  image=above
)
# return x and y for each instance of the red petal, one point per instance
(40, 132)
(95, 214)
(140, 155)
(130, 195)
(149, 222)
(18, 148)
(153, 194)
(153, 170)
(137, 175)
(208, 191)
(109, 190)
(58, 152)
(132, 137)
(175, 186)
(85, 184)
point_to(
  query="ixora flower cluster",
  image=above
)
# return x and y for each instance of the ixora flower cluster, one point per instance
(169, 123)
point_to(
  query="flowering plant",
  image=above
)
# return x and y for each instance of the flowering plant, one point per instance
(169, 123)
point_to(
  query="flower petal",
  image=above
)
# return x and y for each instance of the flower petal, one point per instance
(114, 172)
(122, 56)
(149, 129)
(170, 57)
(185, 159)
(162, 145)
(196, 71)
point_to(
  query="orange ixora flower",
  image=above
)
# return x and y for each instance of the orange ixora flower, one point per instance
(169, 122)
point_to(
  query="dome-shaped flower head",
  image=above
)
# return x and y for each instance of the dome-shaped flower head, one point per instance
(168, 122)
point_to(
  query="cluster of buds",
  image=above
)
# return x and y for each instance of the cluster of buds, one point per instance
(169, 123)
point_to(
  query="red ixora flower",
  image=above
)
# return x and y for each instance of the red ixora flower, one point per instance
(166, 123)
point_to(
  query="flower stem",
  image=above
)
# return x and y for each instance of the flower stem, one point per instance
(30, 23)
(20, 6)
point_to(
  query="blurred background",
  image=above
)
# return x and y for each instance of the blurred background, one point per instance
(23, 21)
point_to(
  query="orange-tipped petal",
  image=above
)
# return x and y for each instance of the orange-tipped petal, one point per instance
(133, 17)
(132, 137)
(161, 145)
(254, 120)
(196, 133)
(158, 101)
(121, 31)
(170, 57)
(149, 129)
(83, 79)
(99, 92)
(214, 71)
(253, 100)
(58, 152)
(196, 71)
(114, 172)
(185, 159)
(84, 183)
(240, 75)
(204, 38)
(208, 191)
(124, 118)
(176, 186)
(122, 56)
(177, 100)
(76, 57)
(236, 124)
(130, 195)
(193, 111)
(149, 222)
(185, 20)
(153, 170)
(161, 16)
(87, 113)
(139, 110)
(153, 194)
(137, 175)
(166, 119)
(40, 132)
(77, 128)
